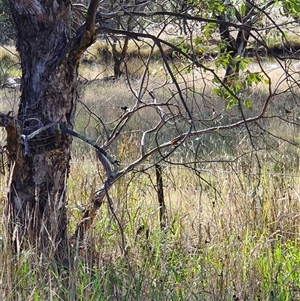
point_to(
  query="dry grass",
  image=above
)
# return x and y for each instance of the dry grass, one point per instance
(232, 216)
(9, 64)
(219, 241)
(232, 226)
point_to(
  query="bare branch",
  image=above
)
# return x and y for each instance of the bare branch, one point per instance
(90, 17)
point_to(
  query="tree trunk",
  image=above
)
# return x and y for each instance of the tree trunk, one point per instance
(40, 166)
(235, 46)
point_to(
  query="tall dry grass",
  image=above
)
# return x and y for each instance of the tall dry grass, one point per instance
(232, 230)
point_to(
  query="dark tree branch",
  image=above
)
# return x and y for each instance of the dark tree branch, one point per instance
(91, 16)
(83, 37)
(98, 199)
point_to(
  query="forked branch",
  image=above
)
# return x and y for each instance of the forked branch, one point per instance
(98, 199)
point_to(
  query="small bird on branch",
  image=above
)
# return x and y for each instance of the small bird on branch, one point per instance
(124, 108)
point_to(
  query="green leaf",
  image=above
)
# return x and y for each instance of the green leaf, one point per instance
(197, 40)
(248, 104)
(183, 48)
(243, 9)
(216, 91)
(253, 78)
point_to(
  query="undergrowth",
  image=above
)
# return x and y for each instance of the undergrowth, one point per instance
(232, 228)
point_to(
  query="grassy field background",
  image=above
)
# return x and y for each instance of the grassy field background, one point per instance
(233, 213)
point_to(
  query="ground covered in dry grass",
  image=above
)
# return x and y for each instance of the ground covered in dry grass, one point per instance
(232, 229)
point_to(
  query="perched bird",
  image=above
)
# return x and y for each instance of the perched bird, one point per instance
(124, 108)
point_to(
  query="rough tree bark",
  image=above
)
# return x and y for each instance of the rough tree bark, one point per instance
(39, 167)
